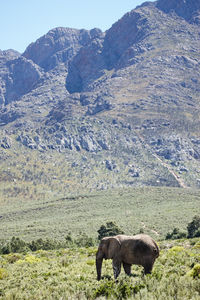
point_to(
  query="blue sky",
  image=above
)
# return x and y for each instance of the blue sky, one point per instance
(24, 21)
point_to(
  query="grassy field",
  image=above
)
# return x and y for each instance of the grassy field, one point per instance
(153, 210)
(70, 274)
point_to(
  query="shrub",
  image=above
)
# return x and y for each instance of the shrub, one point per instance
(176, 249)
(69, 240)
(45, 244)
(3, 273)
(194, 227)
(104, 289)
(5, 249)
(197, 233)
(195, 272)
(18, 245)
(15, 245)
(121, 290)
(12, 258)
(109, 230)
(176, 234)
(31, 259)
(83, 240)
(197, 245)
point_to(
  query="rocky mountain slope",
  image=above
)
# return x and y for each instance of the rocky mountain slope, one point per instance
(109, 109)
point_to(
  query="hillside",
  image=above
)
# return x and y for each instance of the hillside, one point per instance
(86, 110)
(154, 210)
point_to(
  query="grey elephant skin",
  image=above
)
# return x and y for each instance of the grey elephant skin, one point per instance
(139, 249)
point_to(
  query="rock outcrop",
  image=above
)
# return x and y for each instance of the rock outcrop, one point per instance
(187, 9)
(125, 101)
(23, 75)
(59, 45)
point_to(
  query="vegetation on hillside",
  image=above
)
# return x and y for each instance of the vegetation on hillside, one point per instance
(193, 230)
(83, 240)
(152, 210)
(70, 274)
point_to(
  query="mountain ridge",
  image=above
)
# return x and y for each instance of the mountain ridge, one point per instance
(126, 100)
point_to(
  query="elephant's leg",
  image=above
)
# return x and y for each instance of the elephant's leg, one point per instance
(127, 268)
(148, 267)
(116, 268)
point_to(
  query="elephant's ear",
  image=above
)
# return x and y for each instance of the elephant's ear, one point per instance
(113, 247)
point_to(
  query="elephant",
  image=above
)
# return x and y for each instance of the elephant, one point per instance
(138, 249)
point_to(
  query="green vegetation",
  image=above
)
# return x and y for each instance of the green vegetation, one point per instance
(176, 234)
(193, 229)
(152, 210)
(110, 229)
(83, 240)
(70, 274)
(18, 245)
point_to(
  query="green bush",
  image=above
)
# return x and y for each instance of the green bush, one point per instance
(3, 273)
(194, 227)
(109, 230)
(45, 244)
(176, 234)
(15, 245)
(193, 230)
(12, 258)
(69, 239)
(195, 272)
(83, 240)
(105, 289)
(5, 249)
(122, 289)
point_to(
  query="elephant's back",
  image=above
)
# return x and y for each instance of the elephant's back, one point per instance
(138, 239)
(139, 247)
(144, 241)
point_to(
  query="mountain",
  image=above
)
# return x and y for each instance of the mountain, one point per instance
(96, 110)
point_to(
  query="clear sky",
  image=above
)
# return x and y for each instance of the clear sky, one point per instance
(24, 21)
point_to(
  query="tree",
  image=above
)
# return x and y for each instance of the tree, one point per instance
(193, 227)
(110, 229)
(176, 234)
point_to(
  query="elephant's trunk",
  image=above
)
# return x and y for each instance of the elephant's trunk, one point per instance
(99, 260)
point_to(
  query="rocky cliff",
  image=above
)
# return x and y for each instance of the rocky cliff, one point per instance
(120, 107)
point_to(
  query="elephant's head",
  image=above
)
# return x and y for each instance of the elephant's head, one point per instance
(108, 248)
